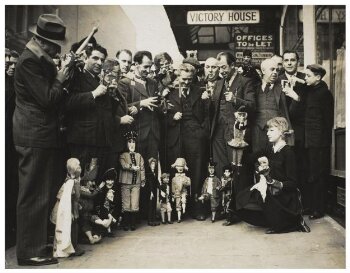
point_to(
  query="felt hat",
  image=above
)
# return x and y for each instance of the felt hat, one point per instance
(50, 27)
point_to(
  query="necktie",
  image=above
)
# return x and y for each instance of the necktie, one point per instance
(267, 87)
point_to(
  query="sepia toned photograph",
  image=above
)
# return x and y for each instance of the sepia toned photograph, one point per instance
(175, 136)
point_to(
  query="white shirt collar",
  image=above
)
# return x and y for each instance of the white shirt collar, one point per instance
(278, 146)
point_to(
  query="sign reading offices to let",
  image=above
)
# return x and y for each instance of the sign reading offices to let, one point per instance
(223, 17)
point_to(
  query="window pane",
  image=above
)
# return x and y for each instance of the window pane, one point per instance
(206, 40)
(206, 31)
(222, 34)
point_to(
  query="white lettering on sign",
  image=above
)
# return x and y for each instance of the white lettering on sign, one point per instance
(254, 41)
(227, 17)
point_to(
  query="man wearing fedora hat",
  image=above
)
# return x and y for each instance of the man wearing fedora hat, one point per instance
(39, 93)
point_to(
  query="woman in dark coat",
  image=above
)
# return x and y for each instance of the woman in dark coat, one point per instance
(274, 201)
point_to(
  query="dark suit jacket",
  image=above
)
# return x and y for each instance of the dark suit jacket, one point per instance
(319, 116)
(198, 111)
(90, 121)
(38, 98)
(146, 121)
(296, 109)
(244, 91)
(281, 104)
(120, 111)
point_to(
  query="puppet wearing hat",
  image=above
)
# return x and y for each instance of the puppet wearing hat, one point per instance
(238, 142)
(179, 185)
(211, 190)
(131, 178)
(227, 189)
(165, 198)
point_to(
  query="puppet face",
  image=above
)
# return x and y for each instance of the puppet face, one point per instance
(153, 165)
(227, 173)
(180, 169)
(211, 170)
(109, 183)
(131, 145)
(166, 180)
(263, 163)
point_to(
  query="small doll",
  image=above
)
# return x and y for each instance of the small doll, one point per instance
(262, 173)
(165, 198)
(89, 217)
(227, 189)
(65, 214)
(131, 178)
(238, 142)
(179, 185)
(151, 186)
(211, 190)
(107, 204)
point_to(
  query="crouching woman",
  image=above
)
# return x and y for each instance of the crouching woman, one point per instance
(274, 201)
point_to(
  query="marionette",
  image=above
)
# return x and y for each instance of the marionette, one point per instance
(238, 142)
(65, 213)
(211, 190)
(151, 186)
(106, 203)
(131, 178)
(179, 185)
(227, 191)
(89, 193)
(165, 198)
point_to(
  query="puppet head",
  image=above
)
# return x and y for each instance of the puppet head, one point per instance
(165, 178)
(180, 165)
(227, 171)
(73, 168)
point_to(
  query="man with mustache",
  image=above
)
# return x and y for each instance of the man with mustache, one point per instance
(270, 103)
(90, 115)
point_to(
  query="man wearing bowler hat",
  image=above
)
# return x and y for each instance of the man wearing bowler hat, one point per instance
(39, 93)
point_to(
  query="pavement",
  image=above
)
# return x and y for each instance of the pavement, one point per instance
(195, 244)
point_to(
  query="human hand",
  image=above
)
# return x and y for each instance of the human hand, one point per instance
(133, 110)
(135, 168)
(177, 116)
(126, 119)
(149, 103)
(99, 91)
(102, 184)
(229, 96)
(143, 183)
(205, 95)
(62, 74)
(288, 90)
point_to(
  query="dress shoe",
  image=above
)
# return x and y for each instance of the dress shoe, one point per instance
(78, 252)
(37, 261)
(132, 228)
(226, 223)
(315, 216)
(170, 222)
(164, 223)
(213, 220)
(179, 221)
(271, 231)
(126, 228)
(303, 227)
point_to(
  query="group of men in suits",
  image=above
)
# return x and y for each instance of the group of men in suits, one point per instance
(197, 122)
